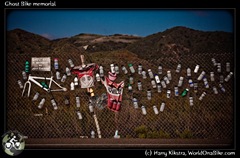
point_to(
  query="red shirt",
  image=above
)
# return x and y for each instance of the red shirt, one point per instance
(85, 74)
(114, 91)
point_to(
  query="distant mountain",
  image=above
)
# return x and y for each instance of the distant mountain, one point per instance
(95, 43)
(20, 41)
(170, 43)
(181, 40)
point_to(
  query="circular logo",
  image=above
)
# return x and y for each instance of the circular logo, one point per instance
(13, 143)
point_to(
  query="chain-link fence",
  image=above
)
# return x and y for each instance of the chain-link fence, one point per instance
(213, 117)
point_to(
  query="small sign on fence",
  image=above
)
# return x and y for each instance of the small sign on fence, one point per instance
(41, 64)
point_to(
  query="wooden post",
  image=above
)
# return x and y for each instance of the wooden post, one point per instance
(82, 60)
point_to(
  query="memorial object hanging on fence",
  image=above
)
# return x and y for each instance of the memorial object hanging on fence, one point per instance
(113, 98)
(85, 73)
(114, 92)
(43, 84)
(41, 64)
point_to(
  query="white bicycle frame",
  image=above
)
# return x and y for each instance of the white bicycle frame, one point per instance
(32, 79)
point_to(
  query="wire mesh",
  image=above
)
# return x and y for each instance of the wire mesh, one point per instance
(213, 117)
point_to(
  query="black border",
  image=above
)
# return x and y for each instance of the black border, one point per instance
(116, 5)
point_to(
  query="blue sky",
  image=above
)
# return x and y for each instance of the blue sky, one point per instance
(142, 22)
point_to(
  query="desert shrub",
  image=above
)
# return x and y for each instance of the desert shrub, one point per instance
(163, 134)
(128, 136)
(141, 131)
(153, 134)
(185, 134)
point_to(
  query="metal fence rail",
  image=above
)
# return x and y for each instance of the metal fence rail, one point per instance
(210, 118)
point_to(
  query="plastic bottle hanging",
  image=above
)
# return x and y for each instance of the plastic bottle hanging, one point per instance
(135, 103)
(79, 115)
(131, 79)
(169, 75)
(68, 72)
(90, 106)
(72, 86)
(70, 63)
(92, 134)
(114, 105)
(162, 106)
(56, 66)
(227, 67)
(101, 71)
(153, 84)
(219, 69)
(27, 67)
(163, 84)
(36, 96)
(178, 68)
(75, 81)
(228, 77)
(221, 78)
(180, 82)
(139, 69)
(144, 111)
(214, 62)
(129, 87)
(196, 69)
(212, 76)
(202, 96)
(64, 77)
(205, 82)
(159, 88)
(188, 72)
(150, 74)
(20, 84)
(139, 85)
(190, 100)
(195, 87)
(200, 77)
(215, 91)
(54, 104)
(98, 77)
(166, 79)
(155, 110)
(149, 94)
(132, 70)
(184, 93)
(116, 68)
(112, 68)
(190, 81)
(78, 101)
(168, 93)
(124, 69)
(222, 88)
(40, 105)
(157, 78)
(24, 75)
(176, 91)
(144, 74)
(160, 69)
(58, 75)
